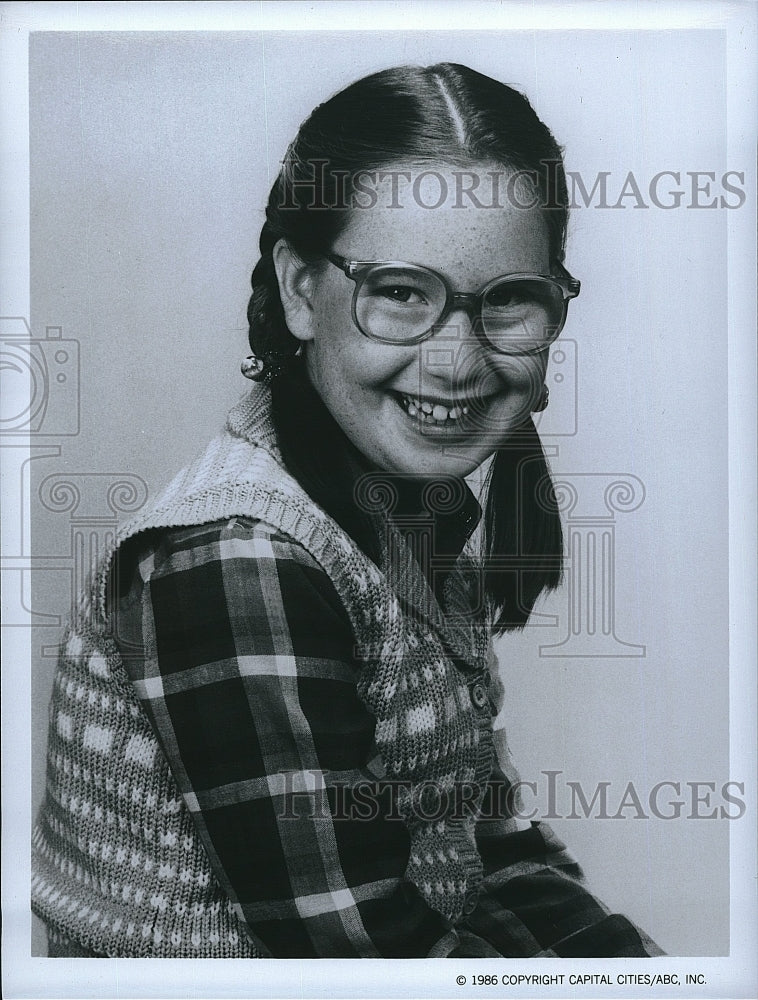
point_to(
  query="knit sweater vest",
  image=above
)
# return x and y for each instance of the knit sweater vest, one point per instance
(117, 864)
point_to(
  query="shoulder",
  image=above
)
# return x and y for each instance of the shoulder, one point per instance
(235, 561)
(232, 588)
(167, 550)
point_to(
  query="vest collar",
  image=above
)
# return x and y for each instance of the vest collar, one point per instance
(447, 612)
(250, 418)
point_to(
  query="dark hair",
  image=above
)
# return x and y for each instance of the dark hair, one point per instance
(446, 113)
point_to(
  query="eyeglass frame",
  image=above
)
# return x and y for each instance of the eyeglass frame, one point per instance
(358, 270)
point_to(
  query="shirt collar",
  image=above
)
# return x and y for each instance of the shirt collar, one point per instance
(447, 503)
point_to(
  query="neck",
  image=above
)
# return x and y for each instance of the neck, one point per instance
(349, 487)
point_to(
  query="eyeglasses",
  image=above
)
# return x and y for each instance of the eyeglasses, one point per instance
(399, 303)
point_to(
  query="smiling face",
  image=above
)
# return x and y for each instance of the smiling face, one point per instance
(442, 406)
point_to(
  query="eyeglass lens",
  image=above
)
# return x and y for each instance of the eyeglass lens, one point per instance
(397, 304)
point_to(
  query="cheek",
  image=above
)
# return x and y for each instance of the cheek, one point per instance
(515, 380)
(329, 356)
(521, 379)
(341, 360)
(525, 373)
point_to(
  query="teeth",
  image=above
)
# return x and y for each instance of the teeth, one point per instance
(433, 412)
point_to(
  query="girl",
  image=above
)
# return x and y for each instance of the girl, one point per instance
(272, 723)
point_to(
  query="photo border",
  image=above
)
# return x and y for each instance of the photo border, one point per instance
(734, 976)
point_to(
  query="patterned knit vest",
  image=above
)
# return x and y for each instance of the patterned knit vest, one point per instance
(117, 864)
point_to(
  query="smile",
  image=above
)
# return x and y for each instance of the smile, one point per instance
(435, 413)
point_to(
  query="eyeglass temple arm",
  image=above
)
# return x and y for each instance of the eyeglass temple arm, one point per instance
(348, 266)
(573, 285)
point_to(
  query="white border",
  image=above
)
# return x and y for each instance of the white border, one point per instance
(727, 977)
(352, 15)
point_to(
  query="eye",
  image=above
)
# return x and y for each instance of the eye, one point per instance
(509, 295)
(403, 290)
(405, 294)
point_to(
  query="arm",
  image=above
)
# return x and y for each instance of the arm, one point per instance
(534, 900)
(247, 676)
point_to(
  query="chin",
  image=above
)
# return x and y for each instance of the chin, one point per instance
(441, 464)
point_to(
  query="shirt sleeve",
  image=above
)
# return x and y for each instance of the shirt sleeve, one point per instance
(242, 655)
(534, 900)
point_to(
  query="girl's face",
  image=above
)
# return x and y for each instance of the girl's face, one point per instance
(380, 394)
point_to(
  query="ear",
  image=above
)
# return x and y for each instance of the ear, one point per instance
(295, 286)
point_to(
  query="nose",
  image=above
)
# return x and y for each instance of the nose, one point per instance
(458, 325)
(459, 336)
(455, 357)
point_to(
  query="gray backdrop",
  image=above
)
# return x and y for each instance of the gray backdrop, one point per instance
(151, 158)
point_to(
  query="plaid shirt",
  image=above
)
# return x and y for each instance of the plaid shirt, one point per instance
(242, 655)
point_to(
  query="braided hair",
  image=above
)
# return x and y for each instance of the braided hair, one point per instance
(442, 113)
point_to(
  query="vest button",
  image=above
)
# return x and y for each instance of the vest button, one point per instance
(470, 903)
(479, 695)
